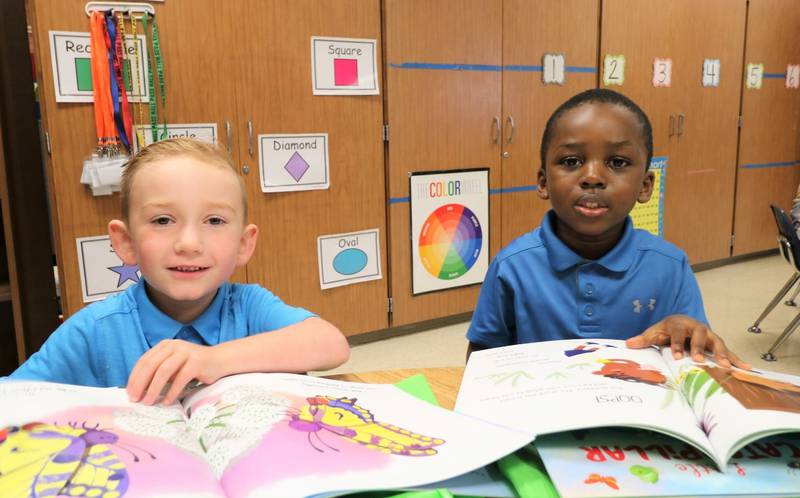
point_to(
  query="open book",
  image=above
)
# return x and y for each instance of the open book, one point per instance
(557, 386)
(250, 435)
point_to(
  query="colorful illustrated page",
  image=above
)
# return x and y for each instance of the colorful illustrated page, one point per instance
(634, 463)
(734, 406)
(554, 386)
(59, 440)
(305, 435)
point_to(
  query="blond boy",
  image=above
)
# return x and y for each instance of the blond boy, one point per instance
(184, 212)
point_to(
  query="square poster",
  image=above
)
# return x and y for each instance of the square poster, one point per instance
(449, 229)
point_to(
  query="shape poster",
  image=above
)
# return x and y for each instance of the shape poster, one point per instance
(449, 229)
(102, 272)
(344, 66)
(349, 258)
(293, 162)
(70, 54)
(650, 215)
(206, 132)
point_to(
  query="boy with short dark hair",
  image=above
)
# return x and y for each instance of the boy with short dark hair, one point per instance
(586, 272)
(184, 224)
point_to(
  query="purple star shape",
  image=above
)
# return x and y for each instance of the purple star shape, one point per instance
(126, 272)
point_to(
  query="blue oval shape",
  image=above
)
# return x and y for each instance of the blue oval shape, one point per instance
(350, 261)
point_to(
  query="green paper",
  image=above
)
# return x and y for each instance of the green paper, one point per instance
(526, 473)
(417, 386)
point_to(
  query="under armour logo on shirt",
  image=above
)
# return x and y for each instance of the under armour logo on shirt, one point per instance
(637, 305)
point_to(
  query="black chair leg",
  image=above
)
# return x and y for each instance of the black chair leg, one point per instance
(769, 356)
(775, 300)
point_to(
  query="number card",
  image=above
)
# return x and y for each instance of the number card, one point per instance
(793, 76)
(613, 70)
(711, 72)
(553, 69)
(662, 72)
(754, 75)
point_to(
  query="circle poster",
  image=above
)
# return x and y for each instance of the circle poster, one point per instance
(449, 229)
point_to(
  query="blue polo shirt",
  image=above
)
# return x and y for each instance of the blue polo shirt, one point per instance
(538, 289)
(100, 344)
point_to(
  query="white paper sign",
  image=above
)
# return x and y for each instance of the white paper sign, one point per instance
(553, 69)
(349, 258)
(207, 132)
(293, 162)
(754, 75)
(613, 70)
(711, 69)
(449, 229)
(662, 72)
(70, 54)
(793, 76)
(344, 66)
(102, 272)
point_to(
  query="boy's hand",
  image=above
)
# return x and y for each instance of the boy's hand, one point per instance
(676, 330)
(170, 361)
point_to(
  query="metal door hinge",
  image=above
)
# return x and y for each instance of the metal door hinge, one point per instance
(733, 240)
(47, 144)
(389, 305)
(740, 121)
(386, 133)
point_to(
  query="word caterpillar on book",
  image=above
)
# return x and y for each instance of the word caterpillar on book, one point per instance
(341, 416)
(40, 459)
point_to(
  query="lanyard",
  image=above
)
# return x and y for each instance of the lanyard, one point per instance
(139, 90)
(115, 77)
(151, 86)
(126, 107)
(160, 72)
(101, 84)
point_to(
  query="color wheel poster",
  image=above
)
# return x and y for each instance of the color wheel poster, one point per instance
(449, 229)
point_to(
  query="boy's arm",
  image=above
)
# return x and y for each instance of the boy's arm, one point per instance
(687, 323)
(312, 344)
(676, 330)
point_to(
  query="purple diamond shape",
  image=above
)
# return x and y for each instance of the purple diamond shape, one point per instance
(296, 166)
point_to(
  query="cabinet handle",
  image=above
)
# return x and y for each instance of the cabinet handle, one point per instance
(671, 125)
(496, 130)
(250, 138)
(681, 117)
(228, 136)
(513, 128)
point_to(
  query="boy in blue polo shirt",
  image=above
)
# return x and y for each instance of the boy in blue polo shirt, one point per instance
(586, 272)
(184, 212)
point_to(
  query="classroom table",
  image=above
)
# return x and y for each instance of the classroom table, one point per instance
(444, 381)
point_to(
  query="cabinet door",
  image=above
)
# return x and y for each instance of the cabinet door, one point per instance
(531, 30)
(274, 93)
(769, 148)
(701, 169)
(638, 32)
(443, 92)
(194, 94)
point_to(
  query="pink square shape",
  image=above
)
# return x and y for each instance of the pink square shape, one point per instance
(345, 72)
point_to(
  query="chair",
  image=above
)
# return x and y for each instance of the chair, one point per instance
(789, 246)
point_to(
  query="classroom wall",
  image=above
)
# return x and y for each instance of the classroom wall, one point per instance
(463, 85)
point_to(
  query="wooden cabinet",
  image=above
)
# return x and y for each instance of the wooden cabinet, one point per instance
(443, 93)
(769, 144)
(695, 127)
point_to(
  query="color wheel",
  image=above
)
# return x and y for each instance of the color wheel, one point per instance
(450, 241)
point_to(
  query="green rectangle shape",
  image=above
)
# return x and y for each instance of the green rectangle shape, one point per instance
(83, 73)
(126, 71)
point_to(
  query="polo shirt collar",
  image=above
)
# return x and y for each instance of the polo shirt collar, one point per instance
(561, 257)
(158, 326)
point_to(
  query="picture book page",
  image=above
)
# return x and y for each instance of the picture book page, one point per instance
(554, 386)
(62, 440)
(735, 406)
(635, 463)
(296, 435)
